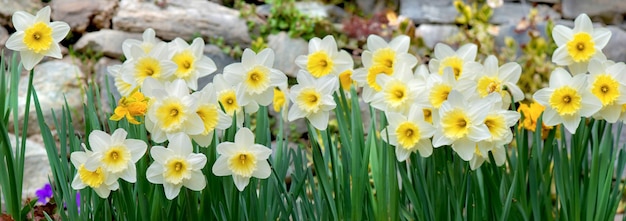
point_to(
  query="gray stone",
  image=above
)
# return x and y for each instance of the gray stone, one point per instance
(55, 82)
(547, 1)
(107, 41)
(82, 14)
(511, 13)
(311, 9)
(221, 60)
(36, 167)
(573, 8)
(286, 50)
(4, 36)
(426, 11)
(519, 35)
(433, 34)
(183, 18)
(614, 50)
(8, 7)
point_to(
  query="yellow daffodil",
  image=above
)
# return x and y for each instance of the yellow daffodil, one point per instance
(114, 154)
(461, 124)
(136, 105)
(35, 36)
(172, 111)
(242, 159)
(576, 47)
(312, 99)
(531, 113)
(567, 99)
(281, 101)
(409, 133)
(324, 58)
(95, 179)
(255, 77)
(213, 117)
(190, 61)
(461, 61)
(177, 166)
(606, 82)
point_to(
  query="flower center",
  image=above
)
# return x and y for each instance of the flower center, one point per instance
(408, 134)
(606, 88)
(345, 78)
(496, 125)
(147, 67)
(565, 100)
(38, 37)
(385, 57)
(257, 79)
(453, 62)
(581, 47)
(439, 94)
(176, 170)
(209, 115)
(374, 71)
(309, 100)
(428, 115)
(228, 99)
(488, 85)
(116, 158)
(93, 179)
(319, 64)
(242, 164)
(171, 114)
(184, 60)
(456, 124)
(396, 93)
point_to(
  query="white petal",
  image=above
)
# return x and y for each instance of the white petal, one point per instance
(241, 182)
(375, 42)
(99, 141)
(266, 57)
(542, 96)
(551, 117)
(22, 20)
(443, 51)
(30, 59)
(197, 181)
(15, 42)
(467, 52)
(571, 123)
(43, 15)
(161, 154)
(220, 167)
(400, 44)
(295, 113)
(154, 173)
(171, 191)
(559, 77)
(197, 161)
(263, 170)
(425, 148)
(319, 120)
(180, 144)
(464, 148)
(562, 35)
(583, 24)
(402, 154)
(244, 137)
(59, 30)
(561, 56)
(601, 37)
(491, 65)
(54, 51)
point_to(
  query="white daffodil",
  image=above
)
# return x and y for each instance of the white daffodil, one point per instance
(409, 133)
(229, 97)
(125, 88)
(211, 114)
(177, 166)
(324, 58)
(35, 36)
(398, 93)
(461, 124)
(95, 179)
(607, 81)
(149, 41)
(440, 86)
(312, 99)
(255, 76)
(482, 154)
(422, 75)
(494, 79)
(576, 47)
(566, 100)
(461, 61)
(155, 64)
(115, 154)
(383, 58)
(173, 111)
(191, 61)
(242, 159)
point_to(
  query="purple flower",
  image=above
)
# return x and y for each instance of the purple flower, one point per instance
(44, 194)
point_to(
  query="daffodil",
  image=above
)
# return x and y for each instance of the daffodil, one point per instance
(95, 179)
(172, 111)
(35, 36)
(242, 159)
(324, 58)
(567, 99)
(136, 105)
(213, 117)
(461, 124)
(255, 76)
(531, 113)
(461, 61)
(383, 58)
(440, 86)
(312, 99)
(190, 61)
(607, 81)
(155, 64)
(125, 88)
(398, 93)
(409, 133)
(576, 47)
(481, 154)
(229, 97)
(177, 166)
(114, 154)
(148, 42)
(500, 79)
(281, 101)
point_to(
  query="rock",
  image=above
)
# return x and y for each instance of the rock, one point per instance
(433, 34)
(8, 7)
(55, 82)
(36, 167)
(102, 79)
(82, 14)
(286, 50)
(511, 13)
(220, 58)
(183, 18)
(573, 8)
(425, 11)
(4, 36)
(311, 9)
(520, 36)
(614, 50)
(107, 41)
(547, 1)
